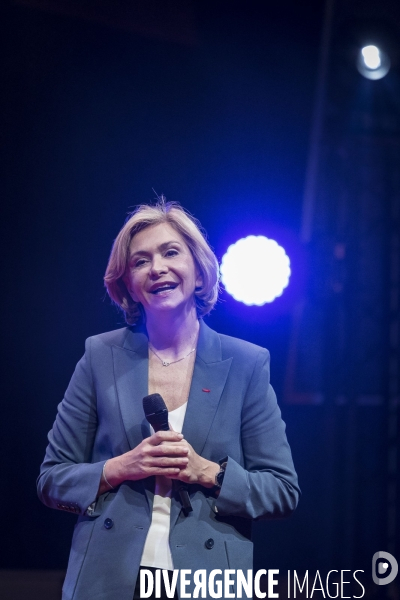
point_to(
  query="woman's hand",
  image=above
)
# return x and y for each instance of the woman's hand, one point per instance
(197, 469)
(160, 454)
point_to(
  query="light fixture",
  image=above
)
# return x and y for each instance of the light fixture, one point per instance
(255, 270)
(372, 62)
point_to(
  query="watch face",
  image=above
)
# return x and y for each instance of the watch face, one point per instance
(220, 475)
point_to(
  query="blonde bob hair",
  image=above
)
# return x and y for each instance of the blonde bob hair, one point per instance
(191, 231)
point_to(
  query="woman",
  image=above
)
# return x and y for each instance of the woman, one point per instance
(104, 463)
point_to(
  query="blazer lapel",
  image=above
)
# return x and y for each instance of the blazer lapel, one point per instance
(208, 382)
(131, 367)
(131, 371)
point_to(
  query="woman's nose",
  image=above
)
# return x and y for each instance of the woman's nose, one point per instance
(158, 266)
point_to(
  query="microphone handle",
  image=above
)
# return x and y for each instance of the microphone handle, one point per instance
(184, 498)
(159, 421)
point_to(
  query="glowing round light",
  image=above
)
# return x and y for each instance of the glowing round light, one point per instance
(371, 56)
(372, 62)
(255, 270)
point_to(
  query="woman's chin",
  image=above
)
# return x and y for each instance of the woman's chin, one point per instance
(170, 305)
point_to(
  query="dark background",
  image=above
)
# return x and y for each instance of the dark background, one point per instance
(104, 106)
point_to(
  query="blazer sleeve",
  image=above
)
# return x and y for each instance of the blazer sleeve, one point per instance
(267, 486)
(68, 480)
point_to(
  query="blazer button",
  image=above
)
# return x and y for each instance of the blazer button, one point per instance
(108, 523)
(209, 544)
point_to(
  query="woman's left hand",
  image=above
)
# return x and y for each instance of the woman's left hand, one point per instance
(198, 470)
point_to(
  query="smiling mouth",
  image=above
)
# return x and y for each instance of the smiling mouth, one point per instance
(165, 288)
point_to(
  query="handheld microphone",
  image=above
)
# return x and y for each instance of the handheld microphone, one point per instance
(156, 413)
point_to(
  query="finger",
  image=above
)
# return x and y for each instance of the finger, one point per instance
(165, 471)
(180, 442)
(166, 449)
(165, 436)
(167, 461)
(181, 475)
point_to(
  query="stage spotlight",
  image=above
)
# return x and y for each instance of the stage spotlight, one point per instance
(255, 270)
(372, 62)
(371, 57)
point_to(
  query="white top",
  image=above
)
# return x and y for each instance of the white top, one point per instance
(156, 551)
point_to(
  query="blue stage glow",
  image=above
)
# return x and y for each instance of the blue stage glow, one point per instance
(255, 270)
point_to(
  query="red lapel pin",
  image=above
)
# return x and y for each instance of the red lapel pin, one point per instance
(205, 390)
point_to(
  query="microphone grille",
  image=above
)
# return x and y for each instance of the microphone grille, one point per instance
(153, 403)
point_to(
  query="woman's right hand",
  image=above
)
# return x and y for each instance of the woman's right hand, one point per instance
(156, 455)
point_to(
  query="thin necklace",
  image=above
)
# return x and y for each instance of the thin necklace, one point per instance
(166, 363)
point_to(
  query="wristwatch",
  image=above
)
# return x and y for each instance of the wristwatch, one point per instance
(219, 478)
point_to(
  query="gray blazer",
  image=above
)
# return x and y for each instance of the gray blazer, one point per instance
(232, 411)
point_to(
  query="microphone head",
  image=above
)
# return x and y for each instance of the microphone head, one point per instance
(154, 403)
(156, 412)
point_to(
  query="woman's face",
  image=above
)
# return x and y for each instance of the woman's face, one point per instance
(161, 272)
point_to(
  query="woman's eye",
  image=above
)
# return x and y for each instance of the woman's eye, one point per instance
(140, 262)
(171, 252)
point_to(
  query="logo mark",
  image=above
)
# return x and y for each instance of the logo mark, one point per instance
(383, 567)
